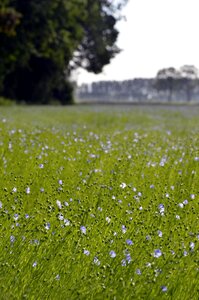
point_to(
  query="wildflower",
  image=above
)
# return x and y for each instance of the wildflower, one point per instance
(1, 205)
(60, 217)
(164, 288)
(185, 202)
(41, 190)
(124, 229)
(60, 181)
(66, 203)
(185, 253)
(16, 217)
(192, 196)
(14, 189)
(57, 277)
(47, 226)
(128, 258)
(34, 264)
(123, 185)
(41, 166)
(108, 219)
(157, 253)
(59, 204)
(177, 217)
(192, 245)
(138, 272)
(181, 205)
(12, 238)
(27, 216)
(159, 233)
(28, 190)
(66, 222)
(129, 242)
(112, 254)
(123, 262)
(161, 209)
(86, 252)
(83, 229)
(96, 261)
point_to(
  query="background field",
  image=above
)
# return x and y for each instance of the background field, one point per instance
(99, 202)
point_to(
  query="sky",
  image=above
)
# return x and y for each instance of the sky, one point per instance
(155, 35)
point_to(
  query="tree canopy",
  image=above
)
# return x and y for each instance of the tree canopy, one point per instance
(41, 41)
(171, 79)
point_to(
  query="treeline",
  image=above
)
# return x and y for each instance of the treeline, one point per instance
(42, 41)
(169, 84)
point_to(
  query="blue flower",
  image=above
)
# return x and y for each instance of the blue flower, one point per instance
(129, 242)
(164, 288)
(86, 252)
(157, 253)
(112, 254)
(83, 229)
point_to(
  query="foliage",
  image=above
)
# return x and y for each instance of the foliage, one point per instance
(6, 102)
(188, 79)
(51, 38)
(99, 203)
(167, 79)
(170, 79)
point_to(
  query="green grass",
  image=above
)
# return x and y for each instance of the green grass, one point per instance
(128, 175)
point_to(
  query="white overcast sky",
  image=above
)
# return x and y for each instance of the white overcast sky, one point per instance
(157, 34)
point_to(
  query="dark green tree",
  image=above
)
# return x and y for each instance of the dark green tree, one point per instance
(52, 38)
(167, 79)
(188, 80)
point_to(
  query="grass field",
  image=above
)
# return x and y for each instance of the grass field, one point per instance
(99, 202)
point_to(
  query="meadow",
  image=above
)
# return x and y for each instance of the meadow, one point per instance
(99, 202)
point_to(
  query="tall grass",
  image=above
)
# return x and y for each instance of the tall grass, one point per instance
(99, 203)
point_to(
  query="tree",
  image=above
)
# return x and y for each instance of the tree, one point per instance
(53, 37)
(189, 79)
(167, 80)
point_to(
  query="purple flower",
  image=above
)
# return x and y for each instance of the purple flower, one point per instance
(138, 272)
(157, 253)
(27, 190)
(124, 229)
(83, 229)
(128, 258)
(12, 238)
(129, 242)
(112, 254)
(86, 252)
(164, 288)
(34, 264)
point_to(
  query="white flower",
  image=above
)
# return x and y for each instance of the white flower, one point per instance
(59, 204)
(123, 185)
(28, 190)
(108, 219)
